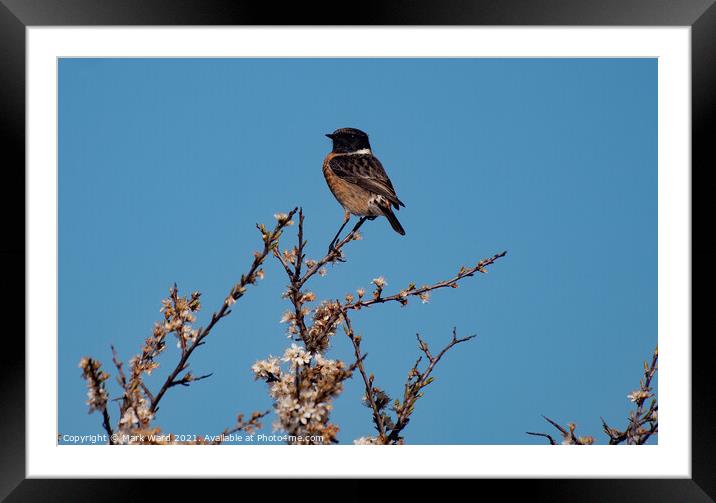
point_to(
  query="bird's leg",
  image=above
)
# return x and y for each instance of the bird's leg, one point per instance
(332, 246)
(360, 222)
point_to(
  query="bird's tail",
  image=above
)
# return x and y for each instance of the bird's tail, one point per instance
(388, 212)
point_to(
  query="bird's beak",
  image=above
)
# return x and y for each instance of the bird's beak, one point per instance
(330, 135)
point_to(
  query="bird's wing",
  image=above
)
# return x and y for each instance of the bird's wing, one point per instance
(367, 172)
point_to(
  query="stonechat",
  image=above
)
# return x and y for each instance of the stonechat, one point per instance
(358, 181)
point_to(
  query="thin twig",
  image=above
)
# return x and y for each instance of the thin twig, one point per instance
(400, 297)
(413, 391)
(561, 429)
(107, 425)
(452, 282)
(548, 437)
(568, 436)
(332, 255)
(355, 340)
(188, 378)
(645, 387)
(294, 273)
(242, 425)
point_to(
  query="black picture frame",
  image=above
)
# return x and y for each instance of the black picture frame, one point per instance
(16, 15)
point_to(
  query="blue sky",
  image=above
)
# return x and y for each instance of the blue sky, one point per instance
(166, 165)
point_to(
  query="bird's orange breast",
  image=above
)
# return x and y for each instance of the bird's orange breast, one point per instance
(352, 197)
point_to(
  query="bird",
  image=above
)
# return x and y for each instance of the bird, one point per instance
(358, 180)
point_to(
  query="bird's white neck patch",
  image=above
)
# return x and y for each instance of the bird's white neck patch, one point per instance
(361, 151)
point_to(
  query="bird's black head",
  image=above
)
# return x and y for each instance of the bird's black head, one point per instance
(349, 140)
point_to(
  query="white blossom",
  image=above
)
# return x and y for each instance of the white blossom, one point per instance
(262, 369)
(379, 282)
(297, 355)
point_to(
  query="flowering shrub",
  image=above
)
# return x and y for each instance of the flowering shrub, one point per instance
(302, 383)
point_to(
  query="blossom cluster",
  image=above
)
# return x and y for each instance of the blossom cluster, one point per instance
(639, 395)
(179, 313)
(136, 414)
(303, 393)
(326, 318)
(179, 316)
(95, 377)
